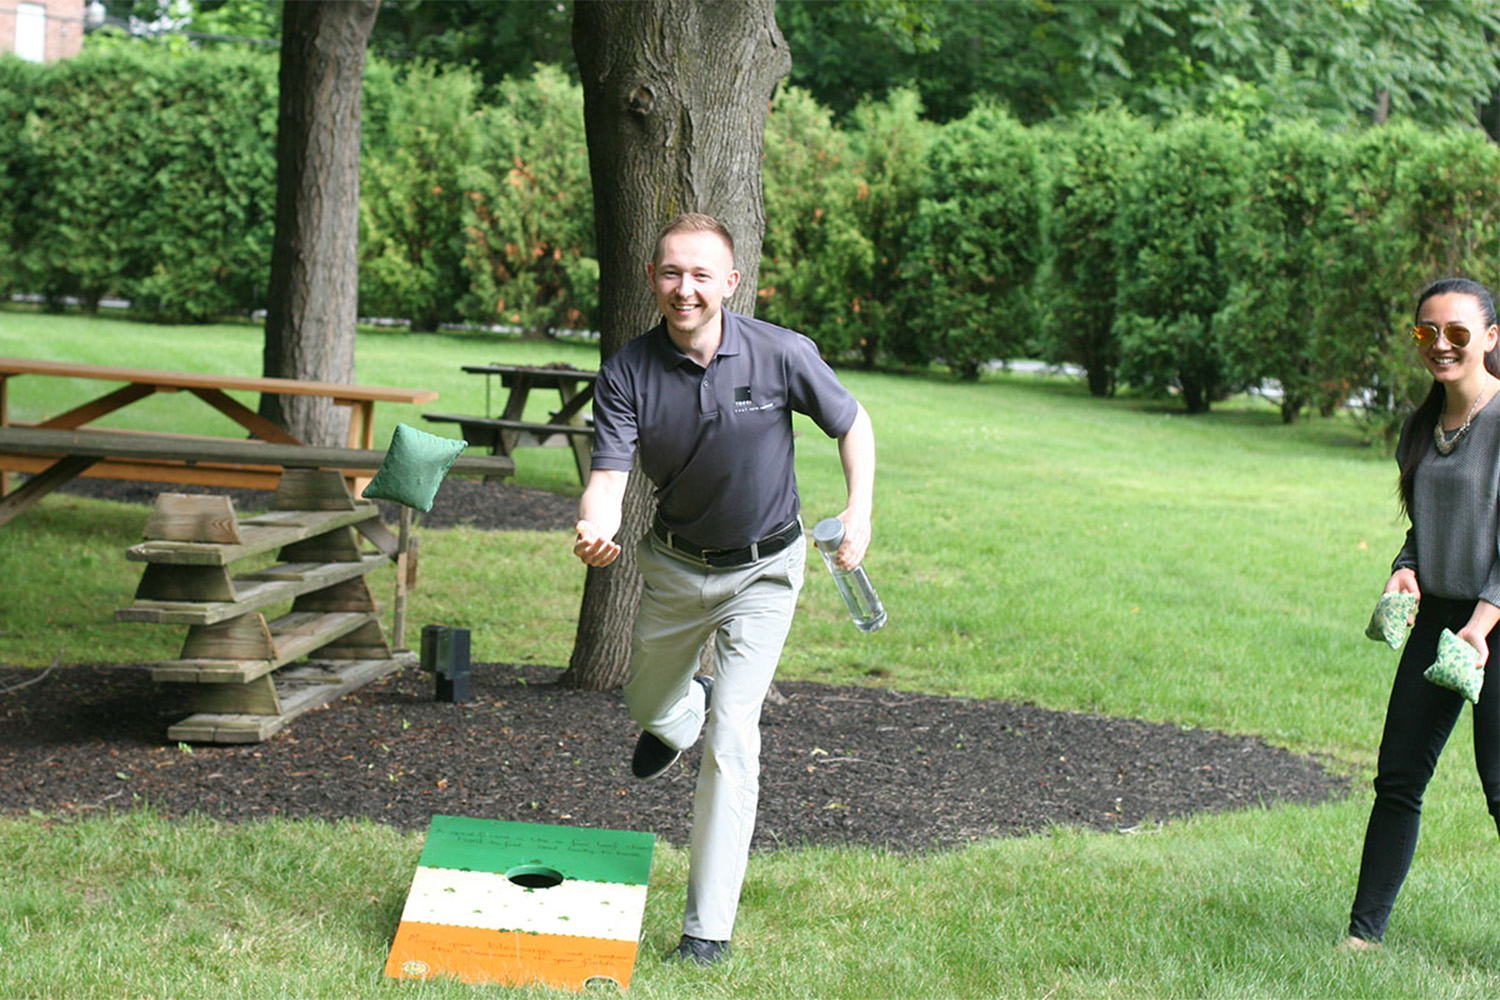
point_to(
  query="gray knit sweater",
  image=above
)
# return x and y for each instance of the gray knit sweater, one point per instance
(1455, 514)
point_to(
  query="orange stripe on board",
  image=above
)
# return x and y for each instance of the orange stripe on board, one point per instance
(477, 955)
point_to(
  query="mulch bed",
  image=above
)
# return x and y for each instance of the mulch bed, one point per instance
(840, 764)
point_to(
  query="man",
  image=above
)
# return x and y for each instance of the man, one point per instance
(706, 397)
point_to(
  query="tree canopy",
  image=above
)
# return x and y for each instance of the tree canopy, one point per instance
(1434, 61)
(1341, 62)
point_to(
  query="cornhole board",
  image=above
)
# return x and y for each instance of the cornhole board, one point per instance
(517, 903)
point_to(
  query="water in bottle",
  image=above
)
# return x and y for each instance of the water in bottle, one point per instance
(854, 586)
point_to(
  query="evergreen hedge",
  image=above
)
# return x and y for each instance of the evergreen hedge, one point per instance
(1188, 259)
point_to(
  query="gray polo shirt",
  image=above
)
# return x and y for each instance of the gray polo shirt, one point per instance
(717, 442)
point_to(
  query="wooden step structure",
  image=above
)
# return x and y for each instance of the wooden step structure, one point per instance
(246, 676)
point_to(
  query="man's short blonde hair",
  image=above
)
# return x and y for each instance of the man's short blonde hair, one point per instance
(693, 222)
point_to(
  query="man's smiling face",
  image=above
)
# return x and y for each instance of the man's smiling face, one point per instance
(691, 277)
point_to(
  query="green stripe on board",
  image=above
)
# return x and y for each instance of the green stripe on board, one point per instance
(488, 845)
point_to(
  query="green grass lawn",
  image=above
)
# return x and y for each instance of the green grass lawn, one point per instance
(1031, 543)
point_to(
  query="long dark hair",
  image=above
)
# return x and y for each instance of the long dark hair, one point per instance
(1419, 427)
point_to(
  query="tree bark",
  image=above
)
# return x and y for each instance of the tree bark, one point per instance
(675, 97)
(314, 284)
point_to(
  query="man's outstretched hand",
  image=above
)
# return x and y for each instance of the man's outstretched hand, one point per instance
(592, 547)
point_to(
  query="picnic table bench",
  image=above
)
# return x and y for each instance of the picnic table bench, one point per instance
(60, 455)
(57, 449)
(567, 426)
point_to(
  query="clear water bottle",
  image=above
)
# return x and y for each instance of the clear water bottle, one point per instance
(854, 586)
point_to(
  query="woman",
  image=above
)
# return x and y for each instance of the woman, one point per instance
(1449, 455)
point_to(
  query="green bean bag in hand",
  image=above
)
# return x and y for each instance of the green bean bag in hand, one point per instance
(1392, 618)
(1457, 667)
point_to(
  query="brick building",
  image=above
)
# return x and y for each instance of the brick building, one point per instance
(41, 30)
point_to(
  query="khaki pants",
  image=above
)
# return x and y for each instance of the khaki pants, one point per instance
(749, 610)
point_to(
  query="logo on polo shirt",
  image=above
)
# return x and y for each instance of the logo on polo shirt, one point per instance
(744, 404)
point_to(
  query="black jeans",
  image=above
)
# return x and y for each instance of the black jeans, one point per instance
(1417, 723)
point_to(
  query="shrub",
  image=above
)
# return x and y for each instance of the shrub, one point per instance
(90, 127)
(813, 256)
(160, 174)
(420, 136)
(977, 242)
(529, 212)
(1167, 246)
(18, 175)
(1090, 158)
(1267, 328)
(1366, 279)
(208, 219)
(889, 141)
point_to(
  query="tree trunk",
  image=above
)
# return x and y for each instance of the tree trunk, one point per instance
(675, 96)
(1101, 380)
(314, 284)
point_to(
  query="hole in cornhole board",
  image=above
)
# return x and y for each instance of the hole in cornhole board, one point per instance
(601, 983)
(534, 876)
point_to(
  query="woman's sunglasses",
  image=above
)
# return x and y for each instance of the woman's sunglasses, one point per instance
(1425, 333)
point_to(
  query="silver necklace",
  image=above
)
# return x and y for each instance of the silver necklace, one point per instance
(1446, 443)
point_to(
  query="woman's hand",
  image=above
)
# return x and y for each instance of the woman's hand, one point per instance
(1404, 581)
(1476, 632)
(1479, 640)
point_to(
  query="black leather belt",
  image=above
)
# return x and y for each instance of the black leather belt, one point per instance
(770, 545)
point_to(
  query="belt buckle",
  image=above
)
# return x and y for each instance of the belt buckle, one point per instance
(668, 537)
(707, 557)
(701, 557)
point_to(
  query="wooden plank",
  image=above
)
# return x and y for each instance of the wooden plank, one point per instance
(350, 675)
(193, 517)
(91, 411)
(284, 571)
(339, 545)
(382, 537)
(312, 489)
(210, 728)
(341, 679)
(256, 697)
(253, 595)
(185, 583)
(57, 474)
(403, 568)
(244, 416)
(131, 446)
(346, 595)
(338, 391)
(508, 424)
(246, 637)
(243, 477)
(262, 533)
(295, 635)
(367, 642)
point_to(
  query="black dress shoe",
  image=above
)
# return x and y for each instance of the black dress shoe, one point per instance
(652, 756)
(699, 951)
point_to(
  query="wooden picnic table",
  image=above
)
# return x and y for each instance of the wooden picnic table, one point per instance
(567, 426)
(181, 458)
